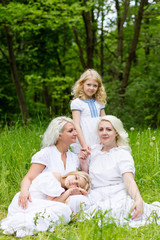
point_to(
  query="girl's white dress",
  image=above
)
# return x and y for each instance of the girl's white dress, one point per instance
(89, 116)
(41, 214)
(51, 158)
(109, 192)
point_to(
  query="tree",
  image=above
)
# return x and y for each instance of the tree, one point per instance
(134, 43)
(13, 66)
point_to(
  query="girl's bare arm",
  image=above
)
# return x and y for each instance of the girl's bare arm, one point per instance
(76, 119)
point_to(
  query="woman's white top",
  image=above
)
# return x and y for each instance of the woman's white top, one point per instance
(109, 193)
(51, 158)
(106, 169)
(89, 116)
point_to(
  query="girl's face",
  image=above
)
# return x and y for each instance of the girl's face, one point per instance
(69, 134)
(90, 87)
(107, 134)
(74, 181)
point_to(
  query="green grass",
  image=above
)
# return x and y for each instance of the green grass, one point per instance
(18, 144)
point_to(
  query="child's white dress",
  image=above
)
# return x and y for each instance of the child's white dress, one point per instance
(41, 214)
(89, 116)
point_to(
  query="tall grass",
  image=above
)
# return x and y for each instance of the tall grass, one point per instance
(18, 144)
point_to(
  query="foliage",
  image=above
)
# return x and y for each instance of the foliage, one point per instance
(58, 88)
(48, 55)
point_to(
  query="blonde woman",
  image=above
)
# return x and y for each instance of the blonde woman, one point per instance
(87, 106)
(111, 169)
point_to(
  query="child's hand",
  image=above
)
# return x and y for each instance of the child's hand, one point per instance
(77, 191)
(87, 147)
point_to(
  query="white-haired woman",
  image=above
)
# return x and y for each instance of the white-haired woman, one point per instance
(49, 191)
(111, 169)
(54, 156)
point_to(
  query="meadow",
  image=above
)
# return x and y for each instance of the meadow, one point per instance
(19, 143)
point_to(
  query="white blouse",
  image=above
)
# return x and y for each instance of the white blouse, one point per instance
(106, 168)
(51, 158)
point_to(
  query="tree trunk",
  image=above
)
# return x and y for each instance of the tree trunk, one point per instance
(80, 47)
(133, 49)
(120, 22)
(147, 40)
(89, 36)
(102, 44)
(16, 81)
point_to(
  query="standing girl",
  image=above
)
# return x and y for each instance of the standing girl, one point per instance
(87, 106)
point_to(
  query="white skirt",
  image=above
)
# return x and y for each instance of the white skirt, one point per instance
(119, 212)
(40, 215)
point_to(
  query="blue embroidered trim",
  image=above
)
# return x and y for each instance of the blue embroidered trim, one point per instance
(74, 109)
(92, 107)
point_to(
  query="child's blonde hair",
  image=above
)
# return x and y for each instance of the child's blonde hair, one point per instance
(77, 89)
(83, 174)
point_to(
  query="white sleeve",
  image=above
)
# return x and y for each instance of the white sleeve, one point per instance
(102, 107)
(41, 157)
(76, 105)
(126, 162)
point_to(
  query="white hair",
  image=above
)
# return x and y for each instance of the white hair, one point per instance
(122, 138)
(55, 128)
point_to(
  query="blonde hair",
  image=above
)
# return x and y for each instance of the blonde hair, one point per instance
(122, 138)
(55, 128)
(83, 174)
(77, 90)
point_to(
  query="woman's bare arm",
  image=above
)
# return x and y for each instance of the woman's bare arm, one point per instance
(34, 171)
(133, 191)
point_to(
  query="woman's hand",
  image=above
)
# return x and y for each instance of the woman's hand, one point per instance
(23, 199)
(138, 208)
(84, 153)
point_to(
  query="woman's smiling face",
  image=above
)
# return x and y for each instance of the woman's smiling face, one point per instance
(69, 134)
(107, 134)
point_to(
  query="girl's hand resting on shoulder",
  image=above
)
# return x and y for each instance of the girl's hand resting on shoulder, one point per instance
(23, 199)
